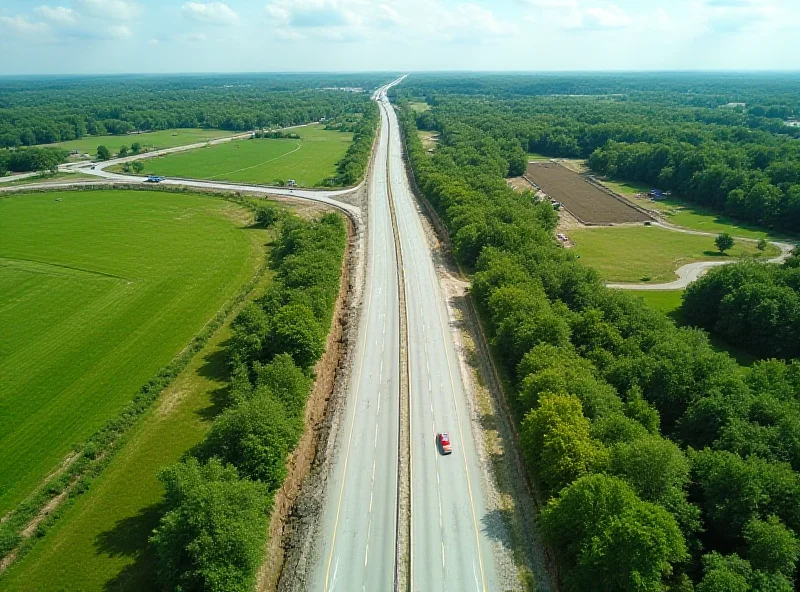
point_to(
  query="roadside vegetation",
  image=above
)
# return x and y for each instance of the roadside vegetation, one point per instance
(102, 289)
(664, 466)
(135, 143)
(45, 160)
(634, 254)
(212, 533)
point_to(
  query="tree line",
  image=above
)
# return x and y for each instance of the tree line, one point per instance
(213, 531)
(31, 159)
(42, 111)
(742, 161)
(664, 466)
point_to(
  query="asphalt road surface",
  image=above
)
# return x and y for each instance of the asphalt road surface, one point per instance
(450, 546)
(359, 520)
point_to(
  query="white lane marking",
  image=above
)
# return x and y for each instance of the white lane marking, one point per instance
(475, 575)
(442, 554)
(366, 555)
(375, 444)
(335, 571)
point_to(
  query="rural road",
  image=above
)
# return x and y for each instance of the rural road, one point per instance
(691, 272)
(450, 547)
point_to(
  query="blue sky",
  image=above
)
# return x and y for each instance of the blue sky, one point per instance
(117, 36)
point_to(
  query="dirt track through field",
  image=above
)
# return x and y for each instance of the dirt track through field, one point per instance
(588, 203)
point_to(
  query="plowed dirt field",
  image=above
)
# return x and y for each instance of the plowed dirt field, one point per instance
(587, 203)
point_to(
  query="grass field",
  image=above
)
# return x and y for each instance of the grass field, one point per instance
(100, 290)
(308, 161)
(150, 141)
(419, 107)
(688, 215)
(631, 253)
(101, 542)
(534, 156)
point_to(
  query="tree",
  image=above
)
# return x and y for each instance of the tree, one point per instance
(267, 214)
(136, 147)
(653, 466)
(137, 166)
(610, 538)
(123, 151)
(296, 331)
(103, 153)
(256, 437)
(555, 438)
(212, 535)
(724, 242)
(772, 547)
(762, 244)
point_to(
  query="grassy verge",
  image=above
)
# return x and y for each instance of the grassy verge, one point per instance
(308, 161)
(633, 253)
(149, 141)
(536, 156)
(101, 541)
(49, 177)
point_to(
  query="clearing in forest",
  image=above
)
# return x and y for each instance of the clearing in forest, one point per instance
(632, 254)
(583, 200)
(308, 161)
(101, 289)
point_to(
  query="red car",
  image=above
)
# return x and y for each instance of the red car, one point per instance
(444, 442)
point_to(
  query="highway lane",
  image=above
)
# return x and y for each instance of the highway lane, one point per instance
(358, 538)
(450, 549)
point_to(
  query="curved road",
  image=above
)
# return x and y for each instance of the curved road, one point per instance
(691, 272)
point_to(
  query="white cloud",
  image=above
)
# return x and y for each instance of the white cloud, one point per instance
(59, 14)
(153, 41)
(215, 13)
(22, 26)
(114, 10)
(571, 14)
(120, 32)
(348, 20)
(191, 37)
(732, 16)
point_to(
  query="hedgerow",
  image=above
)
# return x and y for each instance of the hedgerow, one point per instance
(213, 532)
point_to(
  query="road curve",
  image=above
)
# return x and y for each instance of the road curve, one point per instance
(691, 272)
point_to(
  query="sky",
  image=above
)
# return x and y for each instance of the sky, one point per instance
(164, 36)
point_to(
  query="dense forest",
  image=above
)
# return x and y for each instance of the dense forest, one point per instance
(45, 110)
(664, 465)
(754, 306)
(719, 140)
(213, 531)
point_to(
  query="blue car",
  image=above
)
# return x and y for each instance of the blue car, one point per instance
(154, 179)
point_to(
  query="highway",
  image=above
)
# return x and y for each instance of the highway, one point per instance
(357, 549)
(449, 546)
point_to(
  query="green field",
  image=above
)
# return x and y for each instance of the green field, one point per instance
(688, 215)
(100, 543)
(534, 156)
(666, 301)
(632, 253)
(265, 162)
(419, 107)
(101, 289)
(150, 141)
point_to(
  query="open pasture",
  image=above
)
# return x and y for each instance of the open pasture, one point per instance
(583, 200)
(262, 161)
(149, 141)
(101, 289)
(633, 254)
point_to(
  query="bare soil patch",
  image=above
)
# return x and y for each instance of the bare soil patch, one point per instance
(520, 184)
(588, 203)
